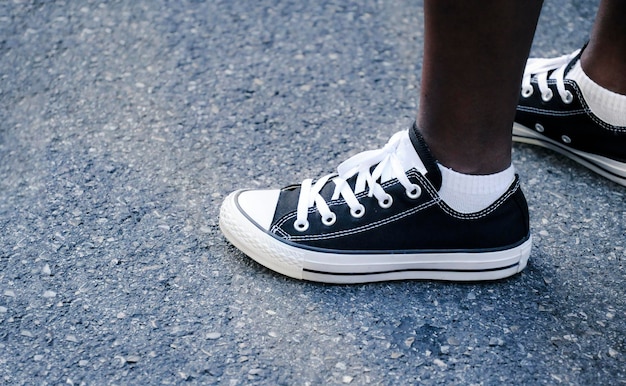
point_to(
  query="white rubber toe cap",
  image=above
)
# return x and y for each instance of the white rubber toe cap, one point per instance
(259, 205)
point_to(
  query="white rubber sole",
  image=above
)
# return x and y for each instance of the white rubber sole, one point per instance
(343, 268)
(606, 167)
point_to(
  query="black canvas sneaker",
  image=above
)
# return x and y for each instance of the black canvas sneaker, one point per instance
(378, 218)
(553, 113)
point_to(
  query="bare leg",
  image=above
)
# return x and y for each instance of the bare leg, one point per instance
(474, 56)
(604, 59)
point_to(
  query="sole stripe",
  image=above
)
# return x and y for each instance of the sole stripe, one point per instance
(411, 270)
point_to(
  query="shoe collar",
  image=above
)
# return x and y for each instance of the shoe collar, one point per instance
(423, 151)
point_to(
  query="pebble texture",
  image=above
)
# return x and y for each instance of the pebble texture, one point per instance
(123, 125)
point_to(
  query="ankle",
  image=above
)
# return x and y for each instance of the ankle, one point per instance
(605, 70)
(478, 157)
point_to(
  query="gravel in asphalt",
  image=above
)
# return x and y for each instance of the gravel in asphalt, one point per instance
(124, 124)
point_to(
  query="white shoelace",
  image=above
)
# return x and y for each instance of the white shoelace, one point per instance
(540, 69)
(388, 167)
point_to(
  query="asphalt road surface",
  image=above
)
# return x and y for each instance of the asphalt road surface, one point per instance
(124, 124)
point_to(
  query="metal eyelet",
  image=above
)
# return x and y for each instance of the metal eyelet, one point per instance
(566, 139)
(301, 226)
(386, 202)
(539, 127)
(415, 192)
(547, 96)
(527, 91)
(569, 98)
(357, 212)
(330, 220)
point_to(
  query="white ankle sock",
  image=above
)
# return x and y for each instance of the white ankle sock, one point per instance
(605, 104)
(467, 193)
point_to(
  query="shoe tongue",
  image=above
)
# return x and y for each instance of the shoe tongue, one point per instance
(430, 163)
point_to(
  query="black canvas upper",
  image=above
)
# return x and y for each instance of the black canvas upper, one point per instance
(421, 224)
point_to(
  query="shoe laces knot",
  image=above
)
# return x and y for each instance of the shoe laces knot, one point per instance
(386, 166)
(545, 70)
